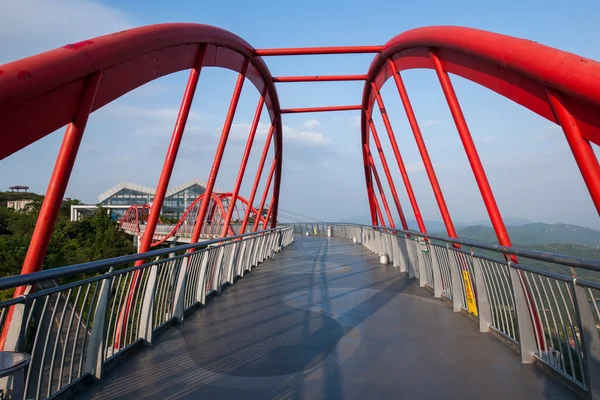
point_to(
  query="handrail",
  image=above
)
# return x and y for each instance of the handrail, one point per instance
(491, 291)
(93, 266)
(570, 261)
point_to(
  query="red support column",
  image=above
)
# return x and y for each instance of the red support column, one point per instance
(259, 171)
(55, 193)
(244, 163)
(380, 186)
(386, 169)
(435, 185)
(163, 184)
(265, 193)
(481, 178)
(171, 156)
(265, 224)
(401, 166)
(580, 147)
(369, 182)
(472, 155)
(378, 212)
(214, 171)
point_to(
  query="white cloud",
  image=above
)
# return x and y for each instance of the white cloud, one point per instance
(33, 26)
(304, 137)
(312, 124)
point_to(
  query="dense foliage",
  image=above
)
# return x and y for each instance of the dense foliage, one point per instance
(92, 238)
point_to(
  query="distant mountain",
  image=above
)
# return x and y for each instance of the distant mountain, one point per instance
(438, 226)
(522, 232)
(536, 234)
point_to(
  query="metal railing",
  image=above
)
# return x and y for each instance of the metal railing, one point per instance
(548, 308)
(91, 313)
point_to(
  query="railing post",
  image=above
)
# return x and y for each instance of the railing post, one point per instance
(437, 274)
(421, 261)
(411, 264)
(527, 342)
(217, 270)
(94, 361)
(201, 290)
(590, 340)
(16, 330)
(397, 262)
(232, 262)
(484, 310)
(454, 277)
(403, 253)
(147, 310)
(179, 306)
(241, 268)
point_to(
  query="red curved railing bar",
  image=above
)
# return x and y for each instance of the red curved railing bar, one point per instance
(131, 219)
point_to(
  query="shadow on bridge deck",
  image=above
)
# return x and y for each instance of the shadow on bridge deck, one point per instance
(325, 320)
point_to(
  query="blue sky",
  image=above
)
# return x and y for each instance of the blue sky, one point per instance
(527, 160)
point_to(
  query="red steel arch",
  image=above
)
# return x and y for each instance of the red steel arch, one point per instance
(42, 93)
(39, 94)
(134, 216)
(561, 87)
(220, 204)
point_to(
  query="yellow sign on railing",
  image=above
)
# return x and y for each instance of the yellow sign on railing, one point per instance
(471, 306)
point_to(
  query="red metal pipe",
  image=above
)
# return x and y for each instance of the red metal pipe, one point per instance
(580, 147)
(380, 187)
(319, 78)
(369, 184)
(378, 212)
(401, 166)
(163, 184)
(302, 51)
(171, 156)
(269, 213)
(471, 151)
(320, 109)
(482, 181)
(55, 193)
(414, 125)
(265, 193)
(244, 163)
(388, 175)
(373, 204)
(214, 171)
(259, 171)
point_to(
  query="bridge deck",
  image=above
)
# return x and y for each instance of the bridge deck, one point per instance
(325, 320)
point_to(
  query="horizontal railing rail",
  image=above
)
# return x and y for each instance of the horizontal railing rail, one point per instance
(557, 295)
(74, 328)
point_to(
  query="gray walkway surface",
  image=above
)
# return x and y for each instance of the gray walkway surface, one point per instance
(325, 320)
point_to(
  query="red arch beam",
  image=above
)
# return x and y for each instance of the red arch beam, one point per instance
(40, 94)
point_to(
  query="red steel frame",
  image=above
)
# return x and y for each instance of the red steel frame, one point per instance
(64, 87)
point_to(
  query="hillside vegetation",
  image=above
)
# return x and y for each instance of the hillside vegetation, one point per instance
(536, 234)
(92, 238)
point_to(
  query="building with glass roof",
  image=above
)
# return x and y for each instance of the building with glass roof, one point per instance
(125, 194)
